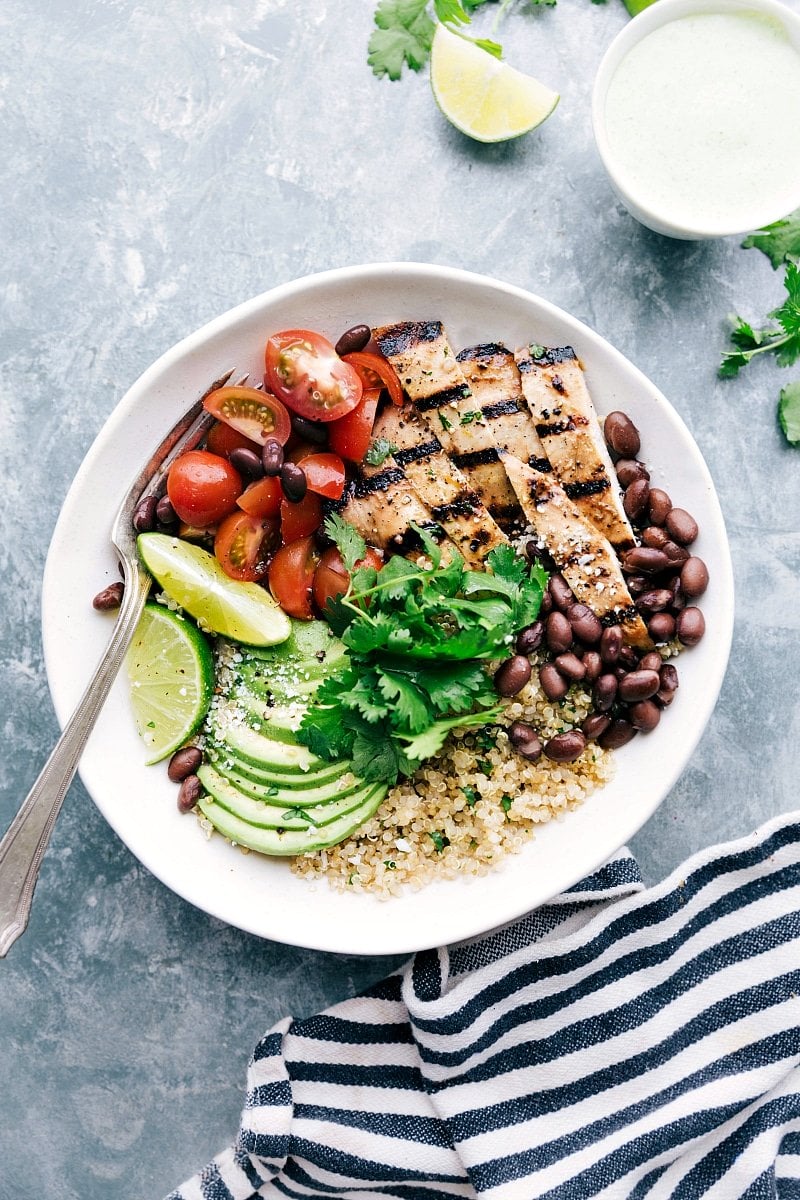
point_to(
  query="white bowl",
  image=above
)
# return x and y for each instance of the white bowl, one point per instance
(632, 196)
(260, 894)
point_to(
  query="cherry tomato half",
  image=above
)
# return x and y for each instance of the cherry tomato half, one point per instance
(255, 414)
(203, 487)
(291, 574)
(351, 435)
(223, 439)
(331, 579)
(244, 546)
(324, 474)
(369, 365)
(300, 519)
(262, 498)
(306, 372)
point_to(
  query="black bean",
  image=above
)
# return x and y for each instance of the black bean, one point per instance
(690, 626)
(353, 340)
(604, 692)
(645, 560)
(639, 685)
(530, 639)
(512, 675)
(110, 597)
(585, 625)
(593, 665)
(655, 537)
(144, 515)
(656, 600)
(676, 555)
(247, 462)
(644, 715)
(272, 457)
(533, 551)
(661, 627)
(694, 577)
(189, 793)
(594, 725)
(621, 435)
(561, 592)
(554, 685)
(669, 678)
(611, 643)
(546, 607)
(660, 506)
(638, 584)
(293, 482)
(184, 762)
(558, 632)
(634, 500)
(651, 661)
(165, 513)
(618, 734)
(565, 747)
(570, 666)
(310, 431)
(628, 658)
(681, 526)
(629, 470)
(678, 599)
(663, 698)
(525, 740)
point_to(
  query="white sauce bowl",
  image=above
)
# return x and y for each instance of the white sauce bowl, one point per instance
(648, 203)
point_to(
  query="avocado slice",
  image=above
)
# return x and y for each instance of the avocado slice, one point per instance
(277, 722)
(290, 842)
(265, 752)
(271, 816)
(224, 760)
(266, 792)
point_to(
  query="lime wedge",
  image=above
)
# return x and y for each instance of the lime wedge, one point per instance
(244, 612)
(171, 673)
(483, 97)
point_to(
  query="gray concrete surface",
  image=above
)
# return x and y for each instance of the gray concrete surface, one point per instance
(160, 163)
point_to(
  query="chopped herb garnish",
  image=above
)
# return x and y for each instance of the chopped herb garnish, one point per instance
(536, 350)
(472, 795)
(379, 451)
(506, 802)
(484, 766)
(151, 724)
(390, 864)
(473, 415)
(444, 421)
(439, 840)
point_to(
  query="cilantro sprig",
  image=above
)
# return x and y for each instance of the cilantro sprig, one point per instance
(418, 637)
(779, 241)
(782, 340)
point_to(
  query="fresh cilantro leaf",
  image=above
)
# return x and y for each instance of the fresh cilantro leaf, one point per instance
(505, 803)
(779, 241)
(507, 564)
(443, 421)
(789, 413)
(379, 451)
(744, 335)
(347, 539)
(365, 698)
(784, 341)
(411, 706)
(484, 766)
(471, 795)
(788, 316)
(324, 732)
(731, 364)
(429, 544)
(439, 840)
(376, 755)
(494, 48)
(450, 12)
(456, 687)
(403, 37)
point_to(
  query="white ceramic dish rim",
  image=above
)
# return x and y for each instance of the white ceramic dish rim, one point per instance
(651, 18)
(412, 922)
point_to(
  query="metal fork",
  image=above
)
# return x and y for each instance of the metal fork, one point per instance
(24, 844)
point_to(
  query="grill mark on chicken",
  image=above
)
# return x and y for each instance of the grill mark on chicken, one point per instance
(501, 409)
(399, 339)
(555, 389)
(476, 458)
(410, 542)
(366, 486)
(465, 505)
(417, 453)
(539, 464)
(449, 395)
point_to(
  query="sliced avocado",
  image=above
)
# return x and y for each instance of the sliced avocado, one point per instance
(293, 670)
(278, 722)
(265, 752)
(290, 841)
(225, 760)
(278, 816)
(268, 792)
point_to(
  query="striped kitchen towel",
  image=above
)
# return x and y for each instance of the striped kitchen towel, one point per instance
(619, 1042)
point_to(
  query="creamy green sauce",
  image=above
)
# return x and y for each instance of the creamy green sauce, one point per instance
(703, 120)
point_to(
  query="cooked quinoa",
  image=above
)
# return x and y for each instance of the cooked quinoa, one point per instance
(465, 809)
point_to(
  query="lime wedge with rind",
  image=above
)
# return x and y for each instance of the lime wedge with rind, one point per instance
(171, 674)
(189, 575)
(486, 99)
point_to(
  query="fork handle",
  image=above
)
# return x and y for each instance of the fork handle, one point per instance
(23, 846)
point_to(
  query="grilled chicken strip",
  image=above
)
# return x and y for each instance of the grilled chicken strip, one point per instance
(493, 378)
(383, 507)
(585, 558)
(445, 414)
(555, 388)
(437, 482)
